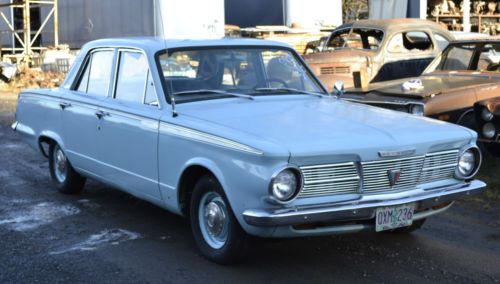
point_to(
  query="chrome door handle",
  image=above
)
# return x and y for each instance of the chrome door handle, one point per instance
(100, 114)
(64, 105)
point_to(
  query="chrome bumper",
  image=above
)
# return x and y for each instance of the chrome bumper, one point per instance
(359, 209)
(14, 125)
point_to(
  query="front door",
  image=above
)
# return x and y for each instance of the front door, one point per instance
(128, 128)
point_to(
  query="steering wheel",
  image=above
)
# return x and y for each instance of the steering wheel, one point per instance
(279, 81)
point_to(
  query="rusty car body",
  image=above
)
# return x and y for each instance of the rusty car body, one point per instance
(488, 124)
(465, 73)
(378, 50)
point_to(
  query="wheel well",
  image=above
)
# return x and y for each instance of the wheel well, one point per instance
(188, 180)
(44, 143)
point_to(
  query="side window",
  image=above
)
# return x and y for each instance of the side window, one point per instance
(132, 76)
(150, 98)
(410, 42)
(100, 73)
(489, 58)
(442, 42)
(84, 80)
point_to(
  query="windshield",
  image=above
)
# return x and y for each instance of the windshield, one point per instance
(468, 57)
(213, 73)
(357, 38)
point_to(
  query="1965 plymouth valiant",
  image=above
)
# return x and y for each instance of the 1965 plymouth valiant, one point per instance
(240, 136)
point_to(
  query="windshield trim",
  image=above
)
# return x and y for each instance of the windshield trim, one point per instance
(168, 94)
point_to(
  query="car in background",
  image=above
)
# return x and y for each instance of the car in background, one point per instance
(369, 51)
(465, 73)
(488, 124)
(239, 136)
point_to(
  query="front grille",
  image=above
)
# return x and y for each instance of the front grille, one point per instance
(334, 70)
(331, 179)
(439, 166)
(376, 179)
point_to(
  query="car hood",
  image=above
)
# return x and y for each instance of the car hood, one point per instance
(311, 126)
(432, 84)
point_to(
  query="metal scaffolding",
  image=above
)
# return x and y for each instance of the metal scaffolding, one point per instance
(28, 39)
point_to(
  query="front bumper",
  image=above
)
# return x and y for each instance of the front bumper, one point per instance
(360, 209)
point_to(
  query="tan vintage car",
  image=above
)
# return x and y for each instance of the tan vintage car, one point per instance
(378, 50)
(465, 73)
(488, 124)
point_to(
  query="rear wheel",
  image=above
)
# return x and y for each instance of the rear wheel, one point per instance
(65, 178)
(406, 230)
(216, 231)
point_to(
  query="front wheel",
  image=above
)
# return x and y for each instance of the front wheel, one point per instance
(216, 231)
(65, 178)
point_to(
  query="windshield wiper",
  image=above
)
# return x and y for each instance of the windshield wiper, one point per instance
(292, 90)
(208, 91)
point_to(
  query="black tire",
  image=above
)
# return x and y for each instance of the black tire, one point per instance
(469, 121)
(234, 248)
(406, 230)
(72, 183)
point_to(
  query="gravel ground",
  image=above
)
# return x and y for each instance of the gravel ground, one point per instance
(104, 235)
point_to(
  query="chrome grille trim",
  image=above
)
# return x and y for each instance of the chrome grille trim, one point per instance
(439, 166)
(375, 174)
(330, 179)
(345, 178)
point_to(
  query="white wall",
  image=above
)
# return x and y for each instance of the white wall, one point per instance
(388, 9)
(311, 13)
(190, 18)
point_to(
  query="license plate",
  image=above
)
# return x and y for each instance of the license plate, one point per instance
(388, 218)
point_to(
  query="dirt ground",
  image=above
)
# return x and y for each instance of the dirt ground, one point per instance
(104, 236)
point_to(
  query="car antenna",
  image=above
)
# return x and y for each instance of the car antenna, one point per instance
(172, 99)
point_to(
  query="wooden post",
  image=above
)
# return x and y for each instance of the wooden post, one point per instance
(466, 16)
(27, 30)
(56, 23)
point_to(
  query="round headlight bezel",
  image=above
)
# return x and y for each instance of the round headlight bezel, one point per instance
(486, 115)
(477, 163)
(417, 109)
(492, 128)
(299, 184)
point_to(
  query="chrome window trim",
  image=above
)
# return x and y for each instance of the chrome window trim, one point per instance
(196, 135)
(118, 58)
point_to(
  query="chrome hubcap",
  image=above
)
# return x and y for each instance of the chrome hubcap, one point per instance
(60, 165)
(213, 220)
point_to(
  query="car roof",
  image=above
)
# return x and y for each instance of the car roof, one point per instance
(155, 44)
(478, 40)
(395, 25)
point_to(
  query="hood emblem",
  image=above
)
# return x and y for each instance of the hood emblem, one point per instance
(394, 176)
(397, 153)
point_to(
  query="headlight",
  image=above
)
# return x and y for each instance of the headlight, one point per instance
(489, 130)
(286, 185)
(417, 110)
(468, 163)
(486, 115)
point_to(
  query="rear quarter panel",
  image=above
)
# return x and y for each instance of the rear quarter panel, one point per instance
(38, 115)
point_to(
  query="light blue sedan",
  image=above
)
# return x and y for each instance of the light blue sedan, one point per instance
(240, 136)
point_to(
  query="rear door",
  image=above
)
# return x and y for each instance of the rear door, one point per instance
(128, 123)
(79, 107)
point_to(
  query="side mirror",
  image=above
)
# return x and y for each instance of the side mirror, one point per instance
(338, 89)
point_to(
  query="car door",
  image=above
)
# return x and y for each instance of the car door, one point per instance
(79, 105)
(128, 127)
(406, 54)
